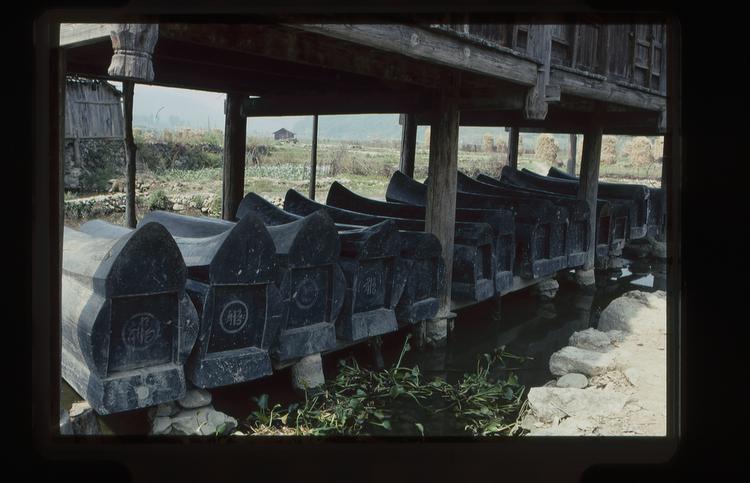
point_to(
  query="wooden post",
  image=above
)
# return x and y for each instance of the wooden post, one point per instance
(133, 45)
(666, 158)
(540, 48)
(314, 157)
(235, 134)
(588, 189)
(513, 147)
(128, 88)
(440, 216)
(408, 144)
(572, 155)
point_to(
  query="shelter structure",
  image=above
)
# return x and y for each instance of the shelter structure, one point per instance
(283, 134)
(589, 79)
(93, 110)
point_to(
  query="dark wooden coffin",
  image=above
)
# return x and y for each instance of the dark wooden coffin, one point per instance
(374, 273)
(635, 196)
(657, 222)
(576, 235)
(128, 326)
(501, 221)
(473, 254)
(539, 224)
(310, 280)
(231, 280)
(609, 216)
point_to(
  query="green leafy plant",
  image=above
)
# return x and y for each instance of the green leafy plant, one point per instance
(158, 200)
(364, 401)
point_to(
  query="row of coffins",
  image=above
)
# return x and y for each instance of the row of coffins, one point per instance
(635, 197)
(657, 212)
(212, 301)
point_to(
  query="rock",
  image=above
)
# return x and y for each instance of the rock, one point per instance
(195, 398)
(178, 207)
(202, 421)
(547, 289)
(165, 409)
(573, 379)
(204, 210)
(619, 313)
(307, 373)
(590, 339)
(616, 335)
(161, 425)
(658, 249)
(547, 403)
(572, 359)
(83, 419)
(584, 277)
(631, 374)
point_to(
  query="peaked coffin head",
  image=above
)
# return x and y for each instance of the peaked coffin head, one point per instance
(145, 260)
(269, 213)
(377, 241)
(312, 240)
(241, 252)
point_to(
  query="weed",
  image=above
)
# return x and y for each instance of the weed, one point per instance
(364, 401)
(158, 200)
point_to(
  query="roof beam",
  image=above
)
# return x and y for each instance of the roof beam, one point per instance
(434, 47)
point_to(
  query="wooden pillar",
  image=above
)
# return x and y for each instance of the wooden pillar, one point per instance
(572, 155)
(589, 183)
(666, 158)
(235, 134)
(133, 45)
(314, 157)
(513, 147)
(408, 144)
(128, 88)
(440, 216)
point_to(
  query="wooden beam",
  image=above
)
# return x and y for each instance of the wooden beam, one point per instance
(290, 43)
(540, 47)
(589, 183)
(440, 216)
(513, 147)
(128, 88)
(313, 157)
(79, 34)
(235, 137)
(573, 145)
(408, 144)
(591, 87)
(433, 47)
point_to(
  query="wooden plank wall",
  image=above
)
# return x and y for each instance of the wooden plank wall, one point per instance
(92, 110)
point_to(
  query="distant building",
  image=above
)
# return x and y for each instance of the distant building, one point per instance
(282, 134)
(94, 130)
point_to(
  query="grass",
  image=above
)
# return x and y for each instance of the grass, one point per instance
(364, 167)
(398, 400)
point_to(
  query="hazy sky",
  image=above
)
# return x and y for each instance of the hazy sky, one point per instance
(199, 108)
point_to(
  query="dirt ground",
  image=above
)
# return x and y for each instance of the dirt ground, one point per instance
(632, 392)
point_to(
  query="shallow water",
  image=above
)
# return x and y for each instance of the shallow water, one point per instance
(523, 323)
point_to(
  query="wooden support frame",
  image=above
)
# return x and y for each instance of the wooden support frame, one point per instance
(313, 158)
(588, 187)
(539, 47)
(573, 147)
(440, 215)
(408, 144)
(128, 90)
(235, 140)
(513, 136)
